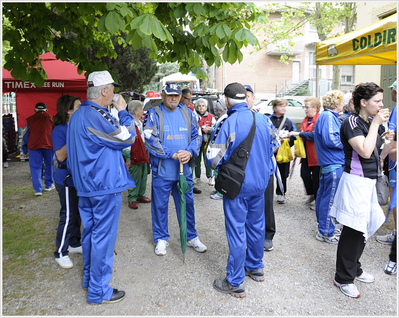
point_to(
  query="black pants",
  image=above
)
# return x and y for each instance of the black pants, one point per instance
(310, 177)
(392, 255)
(269, 210)
(350, 249)
(284, 172)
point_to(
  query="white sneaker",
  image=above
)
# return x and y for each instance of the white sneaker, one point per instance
(211, 181)
(197, 245)
(216, 196)
(64, 262)
(386, 239)
(280, 199)
(348, 289)
(390, 268)
(77, 250)
(196, 180)
(51, 188)
(331, 240)
(365, 278)
(38, 193)
(337, 232)
(160, 249)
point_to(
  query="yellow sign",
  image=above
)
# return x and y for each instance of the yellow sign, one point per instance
(374, 44)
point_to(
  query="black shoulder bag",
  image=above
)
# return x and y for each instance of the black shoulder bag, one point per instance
(382, 184)
(231, 175)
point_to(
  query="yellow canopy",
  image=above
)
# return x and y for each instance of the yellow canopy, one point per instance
(374, 44)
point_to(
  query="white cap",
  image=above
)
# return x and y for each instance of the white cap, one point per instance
(100, 78)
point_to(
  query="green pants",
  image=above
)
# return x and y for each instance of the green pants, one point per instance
(198, 159)
(139, 175)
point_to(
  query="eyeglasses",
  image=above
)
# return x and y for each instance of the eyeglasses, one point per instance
(189, 99)
(306, 107)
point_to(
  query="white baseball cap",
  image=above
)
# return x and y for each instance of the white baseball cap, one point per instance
(100, 78)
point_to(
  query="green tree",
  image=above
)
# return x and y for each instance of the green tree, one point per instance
(188, 33)
(133, 68)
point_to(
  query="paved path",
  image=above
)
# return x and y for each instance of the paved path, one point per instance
(299, 271)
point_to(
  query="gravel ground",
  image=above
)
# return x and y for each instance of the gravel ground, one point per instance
(299, 271)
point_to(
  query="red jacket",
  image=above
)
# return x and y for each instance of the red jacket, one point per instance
(309, 145)
(137, 150)
(205, 120)
(40, 128)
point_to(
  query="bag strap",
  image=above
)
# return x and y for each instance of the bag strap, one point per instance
(246, 145)
(377, 157)
(105, 115)
(282, 124)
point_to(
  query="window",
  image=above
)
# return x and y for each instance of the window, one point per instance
(347, 75)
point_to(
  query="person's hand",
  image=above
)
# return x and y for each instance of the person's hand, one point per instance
(293, 133)
(120, 104)
(388, 136)
(184, 156)
(382, 116)
(206, 129)
(127, 164)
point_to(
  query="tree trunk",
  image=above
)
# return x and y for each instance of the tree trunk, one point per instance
(336, 77)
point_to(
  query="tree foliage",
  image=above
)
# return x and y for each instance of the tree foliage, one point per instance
(133, 68)
(325, 16)
(188, 33)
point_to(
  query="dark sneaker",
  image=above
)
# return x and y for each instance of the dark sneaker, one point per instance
(256, 274)
(223, 286)
(117, 295)
(268, 245)
(196, 191)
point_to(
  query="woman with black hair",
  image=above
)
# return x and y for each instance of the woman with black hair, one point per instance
(68, 233)
(356, 204)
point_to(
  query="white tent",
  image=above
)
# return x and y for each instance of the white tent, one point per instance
(182, 80)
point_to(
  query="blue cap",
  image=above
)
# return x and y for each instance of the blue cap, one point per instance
(249, 88)
(171, 89)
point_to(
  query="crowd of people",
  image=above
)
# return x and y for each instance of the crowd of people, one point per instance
(339, 173)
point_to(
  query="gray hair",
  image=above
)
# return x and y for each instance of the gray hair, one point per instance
(95, 91)
(221, 105)
(201, 100)
(233, 101)
(133, 105)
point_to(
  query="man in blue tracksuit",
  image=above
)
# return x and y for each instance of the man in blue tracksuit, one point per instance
(171, 132)
(331, 159)
(95, 140)
(244, 215)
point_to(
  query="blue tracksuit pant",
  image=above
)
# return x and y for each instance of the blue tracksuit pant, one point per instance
(68, 232)
(160, 193)
(325, 197)
(36, 158)
(245, 231)
(100, 216)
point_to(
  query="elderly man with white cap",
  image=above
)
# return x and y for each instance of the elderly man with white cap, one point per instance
(95, 140)
(171, 132)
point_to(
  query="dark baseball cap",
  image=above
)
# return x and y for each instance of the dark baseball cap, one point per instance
(235, 90)
(171, 89)
(41, 106)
